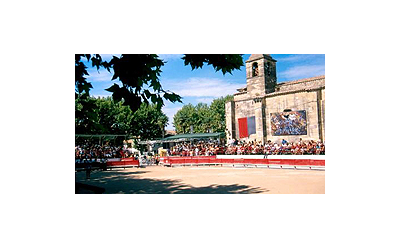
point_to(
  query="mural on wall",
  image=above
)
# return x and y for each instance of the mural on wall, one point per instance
(289, 123)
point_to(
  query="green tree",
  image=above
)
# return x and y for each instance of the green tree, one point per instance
(185, 118)
(217, 112)
(110, 117)
(86, 116)
(202, 117)
(115, 118)
(139, 75)
(148, 122)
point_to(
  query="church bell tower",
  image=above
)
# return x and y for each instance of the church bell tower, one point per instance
(260, 74)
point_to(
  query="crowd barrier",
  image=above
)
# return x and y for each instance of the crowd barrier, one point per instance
(109, 164)
(123, 162)
(166, 159)
(245, 162)
(317, 157)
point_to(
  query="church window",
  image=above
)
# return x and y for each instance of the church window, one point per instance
(255, 69)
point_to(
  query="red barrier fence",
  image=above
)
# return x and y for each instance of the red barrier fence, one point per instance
(166, 160)
(171, 161)
(212, 160)
(124, 162)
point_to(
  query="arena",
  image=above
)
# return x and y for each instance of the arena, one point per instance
(204, 180)
(271, 141)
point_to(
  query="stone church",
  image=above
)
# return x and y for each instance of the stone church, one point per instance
(266, 110)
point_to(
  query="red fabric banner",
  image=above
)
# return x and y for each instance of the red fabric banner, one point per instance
(243, 127)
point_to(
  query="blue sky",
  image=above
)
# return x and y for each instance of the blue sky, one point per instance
(204, 85)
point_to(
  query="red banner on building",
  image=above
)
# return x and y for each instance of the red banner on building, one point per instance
(243, 127)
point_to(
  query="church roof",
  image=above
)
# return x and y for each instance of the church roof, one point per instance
(301, 80)
(306, 84)
(254, 57)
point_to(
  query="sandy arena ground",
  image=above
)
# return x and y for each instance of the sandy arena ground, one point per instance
(207, 180)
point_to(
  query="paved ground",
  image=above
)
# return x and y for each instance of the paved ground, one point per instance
(206, 180)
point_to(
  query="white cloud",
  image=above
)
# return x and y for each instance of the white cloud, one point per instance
(303, 71)
(102, 76)
(205, 100)
(298, 57)
(202, 87)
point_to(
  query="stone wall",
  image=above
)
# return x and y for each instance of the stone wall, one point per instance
(244, 109)
(230, 119)
(240, 96)
(312, 101)
(323, 113)
(256, 86)
(305, 100)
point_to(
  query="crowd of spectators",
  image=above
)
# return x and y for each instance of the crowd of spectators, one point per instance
(249, 148)
(200, 148)
(95, 152)
(87, 151)
(269, 148)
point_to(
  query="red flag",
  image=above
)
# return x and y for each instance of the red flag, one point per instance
(243, 127)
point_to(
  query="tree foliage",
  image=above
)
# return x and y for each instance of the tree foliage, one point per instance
(224, 62)
(202, 117)
(110, 117)
(139, 76)
(217, 108)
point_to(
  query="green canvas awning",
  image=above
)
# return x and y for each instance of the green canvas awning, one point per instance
(99, 135)
(184, 137)
(192, 136)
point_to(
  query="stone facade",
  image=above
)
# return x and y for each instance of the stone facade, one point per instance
(263, 97)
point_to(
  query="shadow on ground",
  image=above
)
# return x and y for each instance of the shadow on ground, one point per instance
(128, 183)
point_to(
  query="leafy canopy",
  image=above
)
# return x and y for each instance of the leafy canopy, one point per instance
(110, 117)
(202, 118)
(139, 75)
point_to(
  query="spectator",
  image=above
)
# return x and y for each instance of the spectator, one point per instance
(203, 148)
(87, 152)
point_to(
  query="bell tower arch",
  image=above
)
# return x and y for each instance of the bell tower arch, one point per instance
(260, 74)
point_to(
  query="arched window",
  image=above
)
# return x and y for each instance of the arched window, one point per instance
(255, 69)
